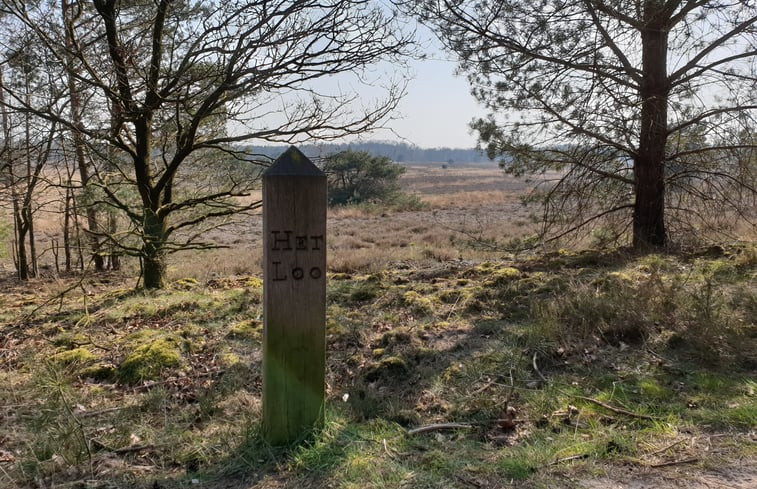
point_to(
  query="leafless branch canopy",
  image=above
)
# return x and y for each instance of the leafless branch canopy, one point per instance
(615, 96)
(163, 92)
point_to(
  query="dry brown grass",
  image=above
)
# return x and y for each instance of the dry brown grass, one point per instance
(472, 211)
(470, 199)
(468, 206)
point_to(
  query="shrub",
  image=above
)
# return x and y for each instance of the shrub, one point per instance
(356, 176)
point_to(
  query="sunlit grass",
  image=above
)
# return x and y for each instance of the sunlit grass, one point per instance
(598, 359)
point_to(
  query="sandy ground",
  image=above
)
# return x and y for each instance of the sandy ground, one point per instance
(742, 476)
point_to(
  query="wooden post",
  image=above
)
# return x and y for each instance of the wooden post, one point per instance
(294, 296)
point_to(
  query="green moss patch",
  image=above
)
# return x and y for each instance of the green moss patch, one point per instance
(154, 352)
(420, 304)
(246, 329)
(99, 372)
(77, 356)
(392, 367)
(68, 339)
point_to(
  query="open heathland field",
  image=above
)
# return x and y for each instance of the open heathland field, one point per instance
(451, 362)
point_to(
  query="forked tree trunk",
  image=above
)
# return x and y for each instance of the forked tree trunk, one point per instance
(649, 165)
(22, 261)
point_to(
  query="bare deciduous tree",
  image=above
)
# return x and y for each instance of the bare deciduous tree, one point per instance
(27, 145)
(175, 85)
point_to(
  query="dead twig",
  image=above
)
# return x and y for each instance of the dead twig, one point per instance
(97, 412)
(133, 448)
(568, 459)
(439, 427)
(616, 410)
(197, 375)
(484, 387)
(511, 391)
(536, 369)
(465, 480)
(675, 462)
(130, 449)
(9, 407)
(656, 452)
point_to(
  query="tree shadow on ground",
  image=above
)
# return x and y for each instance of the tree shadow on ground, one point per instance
(466, 356)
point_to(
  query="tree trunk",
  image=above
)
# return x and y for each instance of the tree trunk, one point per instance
(22, 266)
(76, 117)
(114, 260)
(77, 230)
(153, 250)
(649, 164)
(29, 218)
(19, 253)
(67, 226)
(26, 216)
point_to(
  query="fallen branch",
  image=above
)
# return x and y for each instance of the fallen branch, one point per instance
(134, 448)
(197, 375)
(97, 412)
(665, 449)
(568, 459)
(616, 410)
(439, 427)
(675, 462)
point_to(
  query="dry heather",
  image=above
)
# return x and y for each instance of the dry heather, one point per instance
(471, 212)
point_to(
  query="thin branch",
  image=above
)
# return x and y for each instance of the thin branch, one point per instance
(616, 410)
(439, 427)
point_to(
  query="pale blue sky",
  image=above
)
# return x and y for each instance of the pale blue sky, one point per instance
(438, 107)
(437, 110)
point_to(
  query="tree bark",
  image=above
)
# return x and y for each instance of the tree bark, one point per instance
(19, 235)
(153, 250)
(22, 261)
(67, 225)
(29, 217)
(26, 216)
(76, 118)
(114, 261)
(649, 164)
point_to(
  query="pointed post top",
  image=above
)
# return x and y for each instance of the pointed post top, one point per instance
(293, 163)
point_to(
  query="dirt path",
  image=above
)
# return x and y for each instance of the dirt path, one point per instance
(739, 476)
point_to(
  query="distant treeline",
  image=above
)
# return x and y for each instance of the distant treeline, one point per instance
(399, 152)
